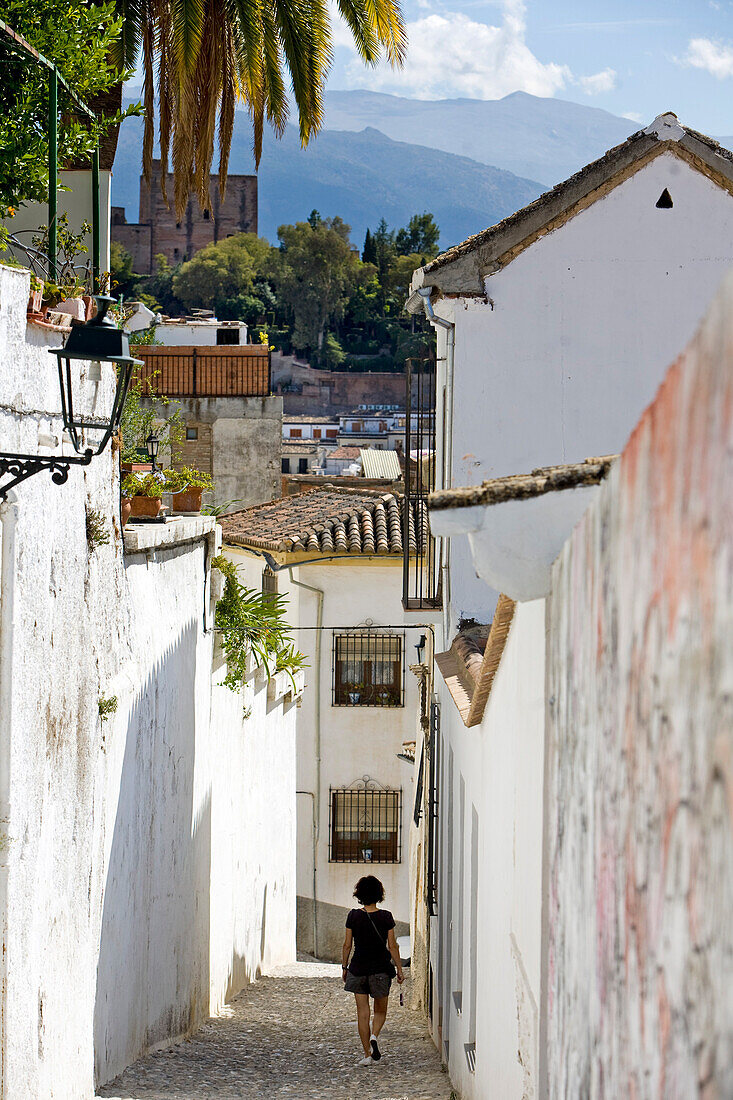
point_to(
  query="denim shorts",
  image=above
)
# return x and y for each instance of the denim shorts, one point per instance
(376, 985)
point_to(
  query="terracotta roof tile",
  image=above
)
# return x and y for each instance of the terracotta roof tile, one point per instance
(352, 453)
(324, 520)
(545, 479)
(471, 663)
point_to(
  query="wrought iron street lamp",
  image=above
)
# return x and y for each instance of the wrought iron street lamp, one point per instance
(97, 341)
(152, 443)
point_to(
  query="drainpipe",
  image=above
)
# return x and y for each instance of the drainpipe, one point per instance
(8, 552)
(450, 331)
(318, 592)
(314, 832)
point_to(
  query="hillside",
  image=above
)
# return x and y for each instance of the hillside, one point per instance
(546, 139)
(360, 176)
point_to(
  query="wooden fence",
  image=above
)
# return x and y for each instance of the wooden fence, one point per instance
(205, 371)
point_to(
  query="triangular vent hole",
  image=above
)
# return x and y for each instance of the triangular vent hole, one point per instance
(664, 202)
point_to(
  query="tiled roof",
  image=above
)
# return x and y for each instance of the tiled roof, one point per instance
(492, 248)
(351, 453)
(327, 521)
(545, 479)
(471, 663)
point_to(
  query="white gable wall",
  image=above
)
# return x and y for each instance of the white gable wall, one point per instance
(582, 327)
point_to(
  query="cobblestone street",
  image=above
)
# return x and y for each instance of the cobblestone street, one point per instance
(292, 1034)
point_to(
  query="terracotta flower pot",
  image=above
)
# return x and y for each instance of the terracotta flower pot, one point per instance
(35, 301)
(189, 500)
(125, 509)
(146, 506)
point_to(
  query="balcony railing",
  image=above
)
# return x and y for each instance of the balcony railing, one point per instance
(421, 572)
(205, 371)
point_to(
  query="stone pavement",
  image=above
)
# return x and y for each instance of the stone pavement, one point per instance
(291, 1035)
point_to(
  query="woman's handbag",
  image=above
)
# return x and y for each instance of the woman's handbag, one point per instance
(390, 965)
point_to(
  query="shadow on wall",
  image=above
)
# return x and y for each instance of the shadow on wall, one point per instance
(153, 969)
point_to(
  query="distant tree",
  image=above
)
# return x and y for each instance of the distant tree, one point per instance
(400, 273)
(222, 277)
(124, 279)
(317, 271)
(420, 235)
(369, 251)
(384, 247)
(314, 219)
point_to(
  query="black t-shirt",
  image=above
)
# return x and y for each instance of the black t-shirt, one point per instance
(370, 957)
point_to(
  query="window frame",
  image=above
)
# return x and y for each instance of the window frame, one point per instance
(362, 845)
(365, 690)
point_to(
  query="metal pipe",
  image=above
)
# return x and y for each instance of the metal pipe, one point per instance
(96, 243)
(8, 553)
(315, 872)
(318, 592)
(53, 169)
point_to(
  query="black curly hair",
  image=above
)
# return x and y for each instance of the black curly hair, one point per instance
(369, 890)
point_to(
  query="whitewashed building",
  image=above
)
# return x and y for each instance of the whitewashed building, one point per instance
(336, 555)
(554, 330)
(147, 863)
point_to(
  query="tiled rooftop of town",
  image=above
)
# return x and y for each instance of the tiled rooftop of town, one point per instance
(327, 520)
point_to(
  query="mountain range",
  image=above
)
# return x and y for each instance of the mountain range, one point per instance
(469, 162)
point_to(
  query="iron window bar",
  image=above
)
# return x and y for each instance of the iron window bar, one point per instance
(421, 572)
(365, 823)
(431, 883)
(368, 668)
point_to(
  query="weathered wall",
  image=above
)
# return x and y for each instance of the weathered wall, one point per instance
(640, 683)
(242, 438)
(141, 880)
(179, 240)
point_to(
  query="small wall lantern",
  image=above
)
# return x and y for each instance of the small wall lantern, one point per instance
(97, 341)
(420, 647)
(152, 444)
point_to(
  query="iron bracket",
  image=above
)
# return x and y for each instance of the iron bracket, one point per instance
(20, 467)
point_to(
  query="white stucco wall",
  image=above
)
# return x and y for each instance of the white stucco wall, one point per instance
(143, 884)
(579, 331)
(355, 741)
(76, 202)
(501, 766)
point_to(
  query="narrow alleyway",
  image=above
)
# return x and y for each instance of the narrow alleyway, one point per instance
(292, 1034)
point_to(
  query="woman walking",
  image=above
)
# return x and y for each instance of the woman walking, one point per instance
(375, 962)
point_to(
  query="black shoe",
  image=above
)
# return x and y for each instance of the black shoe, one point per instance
(376, 1054)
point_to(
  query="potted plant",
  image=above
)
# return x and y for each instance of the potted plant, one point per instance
(145, 492)
(35, 298)
(354, 692)
(187, 485)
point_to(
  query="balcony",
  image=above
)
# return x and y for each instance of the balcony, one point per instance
(189, 371)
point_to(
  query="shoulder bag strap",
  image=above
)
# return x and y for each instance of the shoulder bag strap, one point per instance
(377, 932)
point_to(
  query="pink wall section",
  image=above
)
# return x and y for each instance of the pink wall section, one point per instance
(640, 764)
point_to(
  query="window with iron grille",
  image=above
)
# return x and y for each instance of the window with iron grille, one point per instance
(269, 582)
(421, 566)
(368, 670)
(365, 824)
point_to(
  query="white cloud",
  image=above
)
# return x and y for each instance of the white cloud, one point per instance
(633, 116)
(605, 81)
(453, 55)
(715, 57)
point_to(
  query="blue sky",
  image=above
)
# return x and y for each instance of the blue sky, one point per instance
(630, 58)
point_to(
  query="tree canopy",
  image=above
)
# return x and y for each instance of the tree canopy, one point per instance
(204, 56)
(79, 39)
(313, 294)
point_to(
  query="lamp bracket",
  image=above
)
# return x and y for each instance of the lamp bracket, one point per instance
(19, 468)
